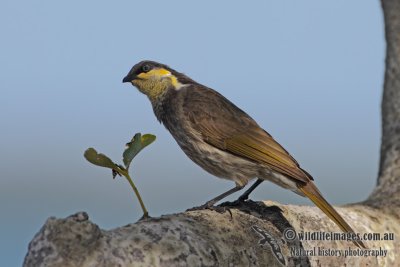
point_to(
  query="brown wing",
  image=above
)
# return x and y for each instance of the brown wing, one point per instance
(228, 128)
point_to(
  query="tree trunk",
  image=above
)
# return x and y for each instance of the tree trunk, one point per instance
(387, 192)
(254, 234)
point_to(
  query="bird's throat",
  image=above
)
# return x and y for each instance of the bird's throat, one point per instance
(154, 90)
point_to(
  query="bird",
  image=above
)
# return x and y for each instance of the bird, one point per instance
(221, 138)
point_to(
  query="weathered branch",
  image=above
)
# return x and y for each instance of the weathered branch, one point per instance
(208, 238)
(254, 235)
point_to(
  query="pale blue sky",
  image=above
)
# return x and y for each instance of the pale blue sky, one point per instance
(309, 72)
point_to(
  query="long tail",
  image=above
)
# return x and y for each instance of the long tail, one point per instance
(312, 192)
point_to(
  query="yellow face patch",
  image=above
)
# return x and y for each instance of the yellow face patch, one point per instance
(177, 85)
(158, 74)
(154, 73)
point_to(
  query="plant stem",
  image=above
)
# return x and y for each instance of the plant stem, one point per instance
(145, 212)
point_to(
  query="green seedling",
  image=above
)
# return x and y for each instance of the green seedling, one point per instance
(137, 143)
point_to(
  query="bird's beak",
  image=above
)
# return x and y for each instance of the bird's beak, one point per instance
(128, 78)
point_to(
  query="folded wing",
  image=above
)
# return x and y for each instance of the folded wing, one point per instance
(228, 128)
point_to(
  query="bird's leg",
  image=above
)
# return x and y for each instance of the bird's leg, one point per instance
(246, 194)
(210, 204)
(223, 195)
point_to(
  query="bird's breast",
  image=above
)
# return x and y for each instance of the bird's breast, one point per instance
(213, 160)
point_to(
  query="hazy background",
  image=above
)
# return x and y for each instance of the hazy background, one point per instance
(309, 72)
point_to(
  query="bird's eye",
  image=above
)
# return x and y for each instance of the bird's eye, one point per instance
(146, 68)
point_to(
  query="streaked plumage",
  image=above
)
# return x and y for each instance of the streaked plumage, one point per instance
(220, 137)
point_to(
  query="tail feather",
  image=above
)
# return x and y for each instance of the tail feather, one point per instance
(312, 192)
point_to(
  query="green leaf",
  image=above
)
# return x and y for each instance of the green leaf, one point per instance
(132, 149)
(147, 139)
(99, 159)
(137, 143)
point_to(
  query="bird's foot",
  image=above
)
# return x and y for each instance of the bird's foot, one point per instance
(242, 198)
(210, 206)
(235, 203)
